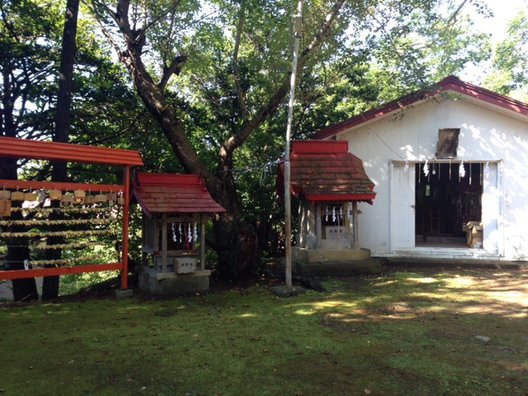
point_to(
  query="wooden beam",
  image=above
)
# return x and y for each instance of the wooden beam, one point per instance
(156, 228)
(164, 242)
(347, 223)
(355, 223)
(318, 225)
(24, 148)
(79, 269)
(46, 185)
(202, 241)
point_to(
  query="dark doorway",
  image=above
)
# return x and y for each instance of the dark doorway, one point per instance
(448, 196)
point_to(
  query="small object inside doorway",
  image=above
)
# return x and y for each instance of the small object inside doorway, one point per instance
(474, 234)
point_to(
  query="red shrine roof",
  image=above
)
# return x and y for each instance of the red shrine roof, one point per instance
(173, 193)
(326, 171)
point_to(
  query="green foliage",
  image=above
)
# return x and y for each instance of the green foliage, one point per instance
(105, 109)
(413, 44)
(509, 74)
(71, 284)
(29, 50)
(340, 89)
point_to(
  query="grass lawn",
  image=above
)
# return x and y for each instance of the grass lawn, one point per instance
(403, 333)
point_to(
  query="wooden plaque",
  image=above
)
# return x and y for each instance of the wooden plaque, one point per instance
(5, 208)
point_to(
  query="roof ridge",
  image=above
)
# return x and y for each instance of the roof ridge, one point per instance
(449, 83)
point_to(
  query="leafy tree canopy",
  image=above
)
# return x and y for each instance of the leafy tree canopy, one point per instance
(509, 74)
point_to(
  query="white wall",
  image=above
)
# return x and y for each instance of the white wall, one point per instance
(485, 135)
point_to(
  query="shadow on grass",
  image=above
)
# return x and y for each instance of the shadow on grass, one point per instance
(409, 295)
(399, 334)
(445, 333)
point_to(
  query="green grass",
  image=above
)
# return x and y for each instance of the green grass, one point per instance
(71, 284)
(400, 334)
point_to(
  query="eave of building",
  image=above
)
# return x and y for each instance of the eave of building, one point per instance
(325, 171)
(173, 193)
(450, 88)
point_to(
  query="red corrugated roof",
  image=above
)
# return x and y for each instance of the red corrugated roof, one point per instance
(173, 193)
(448, 84)
(24, 148)
(326, 171)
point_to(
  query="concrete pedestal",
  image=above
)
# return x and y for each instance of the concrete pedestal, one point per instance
(124, 293)
(324, 255)
(334, 262)
(172, 284)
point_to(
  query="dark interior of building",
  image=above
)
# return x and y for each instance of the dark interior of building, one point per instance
(447, 198)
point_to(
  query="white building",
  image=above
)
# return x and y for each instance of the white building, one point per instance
(440, 159)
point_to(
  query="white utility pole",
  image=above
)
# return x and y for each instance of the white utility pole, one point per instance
(287, 167)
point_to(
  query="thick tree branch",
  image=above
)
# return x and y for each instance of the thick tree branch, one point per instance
(323, 32)
(153, 98)
(452, 18)
(276, 99)
(140, 34)
(174, 68)
(236, 67)
(135, 39)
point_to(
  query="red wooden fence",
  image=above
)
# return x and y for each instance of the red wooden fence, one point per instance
(29, 149)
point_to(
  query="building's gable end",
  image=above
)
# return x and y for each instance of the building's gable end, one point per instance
(450, 88)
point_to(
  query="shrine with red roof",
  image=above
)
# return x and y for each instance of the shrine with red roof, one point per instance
(176, 208)
(329, 182)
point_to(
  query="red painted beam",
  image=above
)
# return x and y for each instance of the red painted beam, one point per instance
(79, 269)
(319, 147)
(46, 185)
(25, 148)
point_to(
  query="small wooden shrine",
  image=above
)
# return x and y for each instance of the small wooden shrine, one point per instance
(329, 183)
(176, 209)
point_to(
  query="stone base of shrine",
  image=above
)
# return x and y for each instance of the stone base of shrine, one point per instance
(172, 284)
(334, 262)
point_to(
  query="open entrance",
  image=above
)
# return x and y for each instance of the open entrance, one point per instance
(448, 202)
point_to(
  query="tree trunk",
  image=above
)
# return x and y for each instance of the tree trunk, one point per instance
(50, 284)
(237, 244)
(17, 249)
(237, 248)
(17, 253)
(64, 97)
(236, 240)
